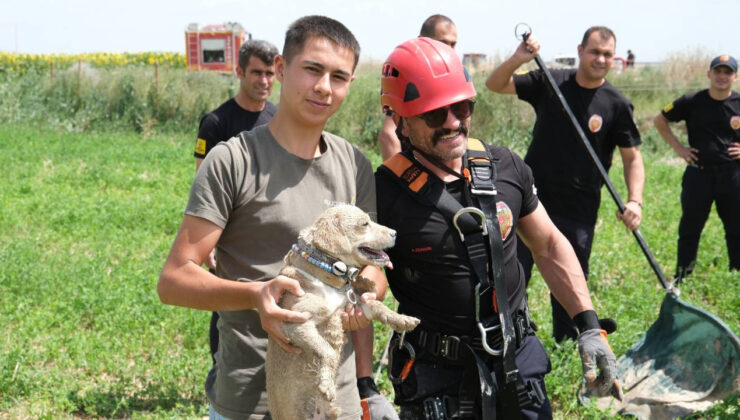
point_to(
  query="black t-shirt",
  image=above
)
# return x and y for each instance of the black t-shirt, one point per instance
(227, 121)
(432, 277)
(712, 125)
(568, 182)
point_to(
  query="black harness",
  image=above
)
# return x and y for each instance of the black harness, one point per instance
(480, 233)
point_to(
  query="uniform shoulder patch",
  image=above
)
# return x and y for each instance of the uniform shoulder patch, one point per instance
(200, 147)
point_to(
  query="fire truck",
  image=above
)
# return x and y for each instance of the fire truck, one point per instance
(214, 47)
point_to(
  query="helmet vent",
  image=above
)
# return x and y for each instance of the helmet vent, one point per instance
(411, 93)
(389, 71)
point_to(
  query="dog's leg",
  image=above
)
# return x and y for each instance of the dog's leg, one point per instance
(377, 311)
(306, 337)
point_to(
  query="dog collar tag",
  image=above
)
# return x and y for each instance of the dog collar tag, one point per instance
(339, 268)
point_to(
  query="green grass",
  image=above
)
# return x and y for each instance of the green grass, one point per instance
(88, 219)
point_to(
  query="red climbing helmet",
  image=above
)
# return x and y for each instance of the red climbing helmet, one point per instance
(421, 75)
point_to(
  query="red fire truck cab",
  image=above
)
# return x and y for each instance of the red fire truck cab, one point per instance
(214, 47)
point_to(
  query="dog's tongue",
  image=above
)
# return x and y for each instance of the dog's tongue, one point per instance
(389, 264)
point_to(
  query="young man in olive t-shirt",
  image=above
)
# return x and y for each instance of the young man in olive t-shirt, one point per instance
(250, 198)
(247, 109)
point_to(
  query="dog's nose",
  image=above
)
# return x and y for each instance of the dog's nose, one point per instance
(392, 233)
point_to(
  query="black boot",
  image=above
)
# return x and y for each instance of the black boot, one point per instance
(682, 272)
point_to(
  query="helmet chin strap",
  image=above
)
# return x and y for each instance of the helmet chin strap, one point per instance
(436, 162)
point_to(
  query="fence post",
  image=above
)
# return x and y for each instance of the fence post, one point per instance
(51, 71)
(79, 71)
(156, 76)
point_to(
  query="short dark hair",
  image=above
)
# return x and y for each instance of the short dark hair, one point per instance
(318, 26)
(258, 48)
(428, 28)
(604, 32)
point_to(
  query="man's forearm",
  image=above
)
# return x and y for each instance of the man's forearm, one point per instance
(501, 78)
(362, 341)
(634, 178)
(562, 272)
(664, 129)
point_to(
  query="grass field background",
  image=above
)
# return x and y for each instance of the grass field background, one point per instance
(92, 197)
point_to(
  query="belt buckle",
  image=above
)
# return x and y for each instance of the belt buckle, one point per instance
(450, 347)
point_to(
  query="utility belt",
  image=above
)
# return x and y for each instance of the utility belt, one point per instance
(435, 346)
(452, 351)
(716, 167)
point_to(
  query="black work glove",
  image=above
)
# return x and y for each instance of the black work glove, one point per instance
(596, 352)
(374, 405)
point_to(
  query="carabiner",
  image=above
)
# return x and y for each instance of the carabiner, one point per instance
(484, 330)
(402, 345)
(476, 211)
(484, 339)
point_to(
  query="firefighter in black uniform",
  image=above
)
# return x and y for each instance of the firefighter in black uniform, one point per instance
(713, 157)
(474, 354)
(568, 183)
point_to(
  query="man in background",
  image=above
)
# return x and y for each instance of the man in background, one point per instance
(568, 183)
(249, 108)
(713, 157)
(442, 29)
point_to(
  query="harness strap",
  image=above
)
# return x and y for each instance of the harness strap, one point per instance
(483, 173)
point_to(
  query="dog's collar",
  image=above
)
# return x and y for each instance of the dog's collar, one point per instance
(330, 265)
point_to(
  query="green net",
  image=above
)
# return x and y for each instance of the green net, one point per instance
(688, 360)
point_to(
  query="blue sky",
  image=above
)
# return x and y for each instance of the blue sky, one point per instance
(651, 28)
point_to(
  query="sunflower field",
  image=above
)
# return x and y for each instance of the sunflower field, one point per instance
(23, 63)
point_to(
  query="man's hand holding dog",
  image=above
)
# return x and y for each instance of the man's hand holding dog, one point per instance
(272, 316)
(353, 318)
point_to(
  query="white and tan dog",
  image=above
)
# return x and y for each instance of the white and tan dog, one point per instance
(326, 261)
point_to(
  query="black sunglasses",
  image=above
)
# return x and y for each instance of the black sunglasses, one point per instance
(437, 117)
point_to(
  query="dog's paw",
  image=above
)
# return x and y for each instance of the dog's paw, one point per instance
(327, 389)
(404, 323)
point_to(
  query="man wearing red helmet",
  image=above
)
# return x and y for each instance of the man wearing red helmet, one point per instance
(438, 27)
(456, 205)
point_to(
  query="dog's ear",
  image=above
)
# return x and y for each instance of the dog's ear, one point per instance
(328, 235)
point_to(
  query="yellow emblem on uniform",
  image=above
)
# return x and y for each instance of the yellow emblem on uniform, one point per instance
(200, 147)
(595, 123)
(735, 122)
(668, 107)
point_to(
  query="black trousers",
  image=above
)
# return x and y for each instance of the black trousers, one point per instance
(700, 188)
(581, 237)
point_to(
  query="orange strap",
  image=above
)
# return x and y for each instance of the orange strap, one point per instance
(405, 169)
(603, 335)
(406, 369)
(365, 410)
